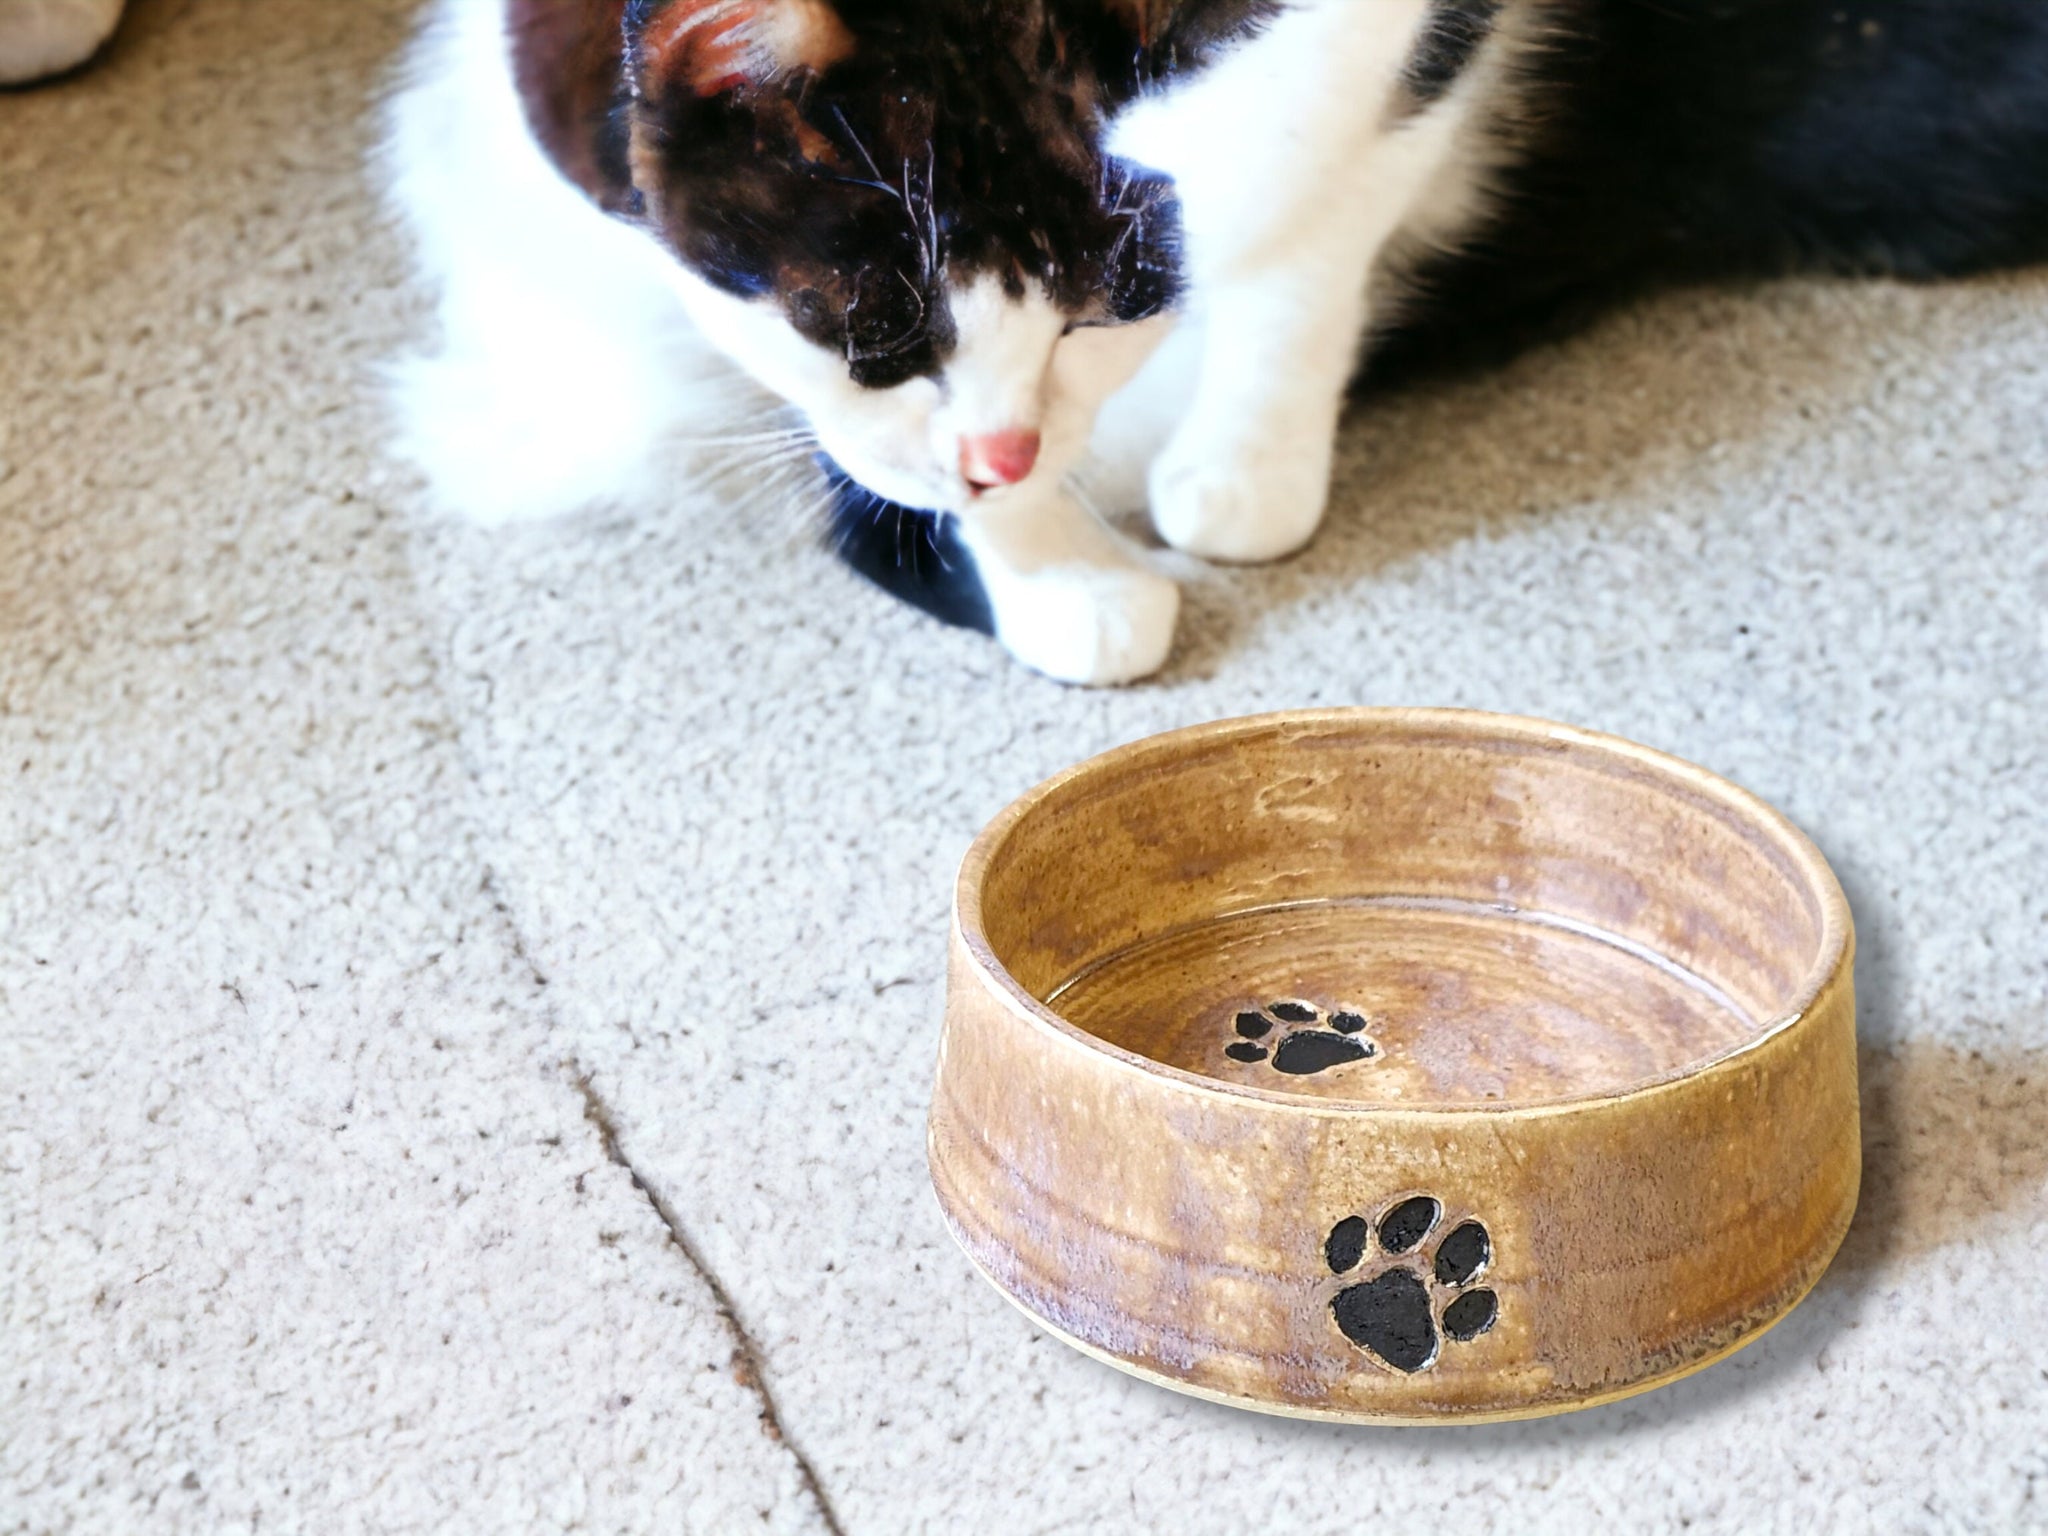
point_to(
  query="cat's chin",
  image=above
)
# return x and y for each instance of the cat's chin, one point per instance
(907, 495)
(910, 493)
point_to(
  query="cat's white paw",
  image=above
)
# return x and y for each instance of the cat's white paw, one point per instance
(1243, 504)
(46, 37)
(1069, 597)
(1089, 624)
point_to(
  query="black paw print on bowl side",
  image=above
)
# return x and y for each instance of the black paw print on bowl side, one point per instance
(1310, 1046)
(1419, 1297)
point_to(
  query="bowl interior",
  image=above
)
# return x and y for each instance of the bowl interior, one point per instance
(1421, 908)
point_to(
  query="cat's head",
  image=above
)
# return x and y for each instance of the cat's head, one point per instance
(898, 215)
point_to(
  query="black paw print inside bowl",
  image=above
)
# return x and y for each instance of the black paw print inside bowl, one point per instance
(1309, 1044)
(1418, 1295)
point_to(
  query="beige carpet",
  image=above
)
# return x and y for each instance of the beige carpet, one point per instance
(467, 1001)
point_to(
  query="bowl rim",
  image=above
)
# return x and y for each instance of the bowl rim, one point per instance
(1837, 946)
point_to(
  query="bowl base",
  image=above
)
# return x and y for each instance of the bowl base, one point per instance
(1405, 1000)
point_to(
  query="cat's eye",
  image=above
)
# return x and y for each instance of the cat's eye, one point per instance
(1085, 325)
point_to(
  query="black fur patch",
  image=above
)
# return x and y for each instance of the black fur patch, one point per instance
(917, 557)
(566, 61)
(1688, 139)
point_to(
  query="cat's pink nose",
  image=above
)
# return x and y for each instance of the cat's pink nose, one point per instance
(990, 459)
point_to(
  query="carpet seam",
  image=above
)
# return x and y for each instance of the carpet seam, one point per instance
(747, 1365)
(747, 1359)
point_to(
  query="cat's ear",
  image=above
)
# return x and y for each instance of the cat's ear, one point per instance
(714, 47)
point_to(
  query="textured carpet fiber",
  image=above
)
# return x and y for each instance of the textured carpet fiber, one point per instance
(467, 1002)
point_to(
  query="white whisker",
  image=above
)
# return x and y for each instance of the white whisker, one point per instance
(745, 439)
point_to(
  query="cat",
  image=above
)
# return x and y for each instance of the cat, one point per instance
(1020, 264)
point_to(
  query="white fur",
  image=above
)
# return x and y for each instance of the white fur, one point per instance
(1279, 259)
(46, 37)
(572, 346)
(564, 365)
(1070, 598)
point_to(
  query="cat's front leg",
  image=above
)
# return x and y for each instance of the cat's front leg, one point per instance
(1067, 596)
(1246, 476)
(1296, 162)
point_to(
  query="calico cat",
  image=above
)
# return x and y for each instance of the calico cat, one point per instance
(1017, 263)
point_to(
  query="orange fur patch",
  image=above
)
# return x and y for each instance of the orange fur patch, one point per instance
(1145, 18)
(716, 46)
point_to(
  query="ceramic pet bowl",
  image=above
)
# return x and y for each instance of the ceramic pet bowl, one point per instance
(1398, 1064)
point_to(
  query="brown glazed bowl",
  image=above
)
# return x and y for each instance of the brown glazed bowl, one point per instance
(1398, 1065)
